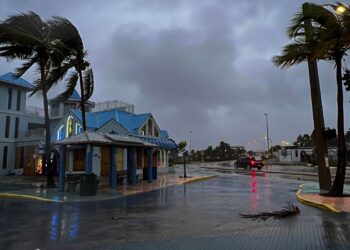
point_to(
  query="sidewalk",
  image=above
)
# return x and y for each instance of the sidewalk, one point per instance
(309, 194)
(32, 187)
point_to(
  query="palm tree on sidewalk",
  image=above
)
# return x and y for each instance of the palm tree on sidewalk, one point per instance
(333, 32)
(27, 37)
(70, 43)
(302, 48)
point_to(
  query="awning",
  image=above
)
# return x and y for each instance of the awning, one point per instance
(162, 143)
(99, 138)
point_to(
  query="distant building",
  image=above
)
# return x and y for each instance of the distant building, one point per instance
(295, 154)
(18, 125)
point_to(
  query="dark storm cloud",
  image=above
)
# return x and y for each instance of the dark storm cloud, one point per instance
(196, 65)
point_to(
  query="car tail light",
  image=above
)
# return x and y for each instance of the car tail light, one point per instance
(252, 162)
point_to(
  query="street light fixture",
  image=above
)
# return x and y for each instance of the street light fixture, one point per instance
(267, 134)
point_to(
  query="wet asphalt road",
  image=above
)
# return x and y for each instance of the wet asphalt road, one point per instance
(201, 215)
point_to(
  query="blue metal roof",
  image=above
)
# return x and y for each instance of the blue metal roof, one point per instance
(131, 122)
(95, 120)
(163, 143)
(164, 134)
(10, 78)
(75, 96)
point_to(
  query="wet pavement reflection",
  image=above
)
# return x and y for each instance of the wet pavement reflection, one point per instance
(201, 215)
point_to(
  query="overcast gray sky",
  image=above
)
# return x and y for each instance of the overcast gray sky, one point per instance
(196, 65)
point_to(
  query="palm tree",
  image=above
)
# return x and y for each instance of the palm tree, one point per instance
(302, 48)
(332, 31)
(28, 37)
(68, 40)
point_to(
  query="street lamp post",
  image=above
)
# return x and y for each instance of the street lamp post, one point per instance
(190, 145)
(267, 135)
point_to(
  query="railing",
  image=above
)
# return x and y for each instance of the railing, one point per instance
(35, 111)
(115, 104)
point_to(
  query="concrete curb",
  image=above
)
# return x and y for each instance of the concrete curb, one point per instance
(30, 197)
(314, 203)
(204, 178)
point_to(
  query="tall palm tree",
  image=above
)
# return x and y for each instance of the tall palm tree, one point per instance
(332, 34)
(27, 37)
(300, 49)
(68, 40)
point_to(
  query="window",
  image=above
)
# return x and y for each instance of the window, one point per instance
(9, 103)
(4, 158)
(143, 130)
(7, 127)
(78, 128)
(18, 107)
(296, 153)
(156, 132)
(60, 134)
(16, 127)
(69, 126)
(149, 127)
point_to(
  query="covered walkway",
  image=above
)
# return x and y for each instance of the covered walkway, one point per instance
(90, 140)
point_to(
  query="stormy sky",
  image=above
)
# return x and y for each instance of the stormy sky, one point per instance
(196, 65)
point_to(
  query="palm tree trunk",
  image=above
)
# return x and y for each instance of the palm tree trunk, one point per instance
(47, 162)
(82, 100)
(338, 184)
(317, 112)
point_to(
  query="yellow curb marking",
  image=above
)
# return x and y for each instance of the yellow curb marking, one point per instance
(4, 195)
(314, 203)
(195, 179)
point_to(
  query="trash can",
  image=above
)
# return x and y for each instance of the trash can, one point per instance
(88, 185)
(154, 173)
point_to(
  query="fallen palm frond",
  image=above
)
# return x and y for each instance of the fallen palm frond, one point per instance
(289, 210)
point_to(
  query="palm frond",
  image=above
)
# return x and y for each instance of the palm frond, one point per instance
(71, 83)
(58, 73)
(293, 53)
(88, 83)
(26, 66)
(289, 210)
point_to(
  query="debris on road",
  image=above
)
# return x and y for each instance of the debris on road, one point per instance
(289, 210)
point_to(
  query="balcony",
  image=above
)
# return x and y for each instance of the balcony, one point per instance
(35, 111)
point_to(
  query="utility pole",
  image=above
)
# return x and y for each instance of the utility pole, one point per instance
(317, 110)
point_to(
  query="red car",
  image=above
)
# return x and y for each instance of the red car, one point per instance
(248, 162)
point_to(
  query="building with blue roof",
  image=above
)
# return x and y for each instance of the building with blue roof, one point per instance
(120, 122)
(22, 139)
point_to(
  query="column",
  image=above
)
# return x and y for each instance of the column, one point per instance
(133, 166)
(88, 168)
(62, 170)
(112, 167)
(155, 167)
(167, 158)
(125, 159)
(150, 173)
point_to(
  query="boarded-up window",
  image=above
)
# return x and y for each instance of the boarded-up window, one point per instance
(19, 157)
(79, 160)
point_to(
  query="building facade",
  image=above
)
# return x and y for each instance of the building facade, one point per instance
(114, 121)
(16, 121)
(22, 133)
